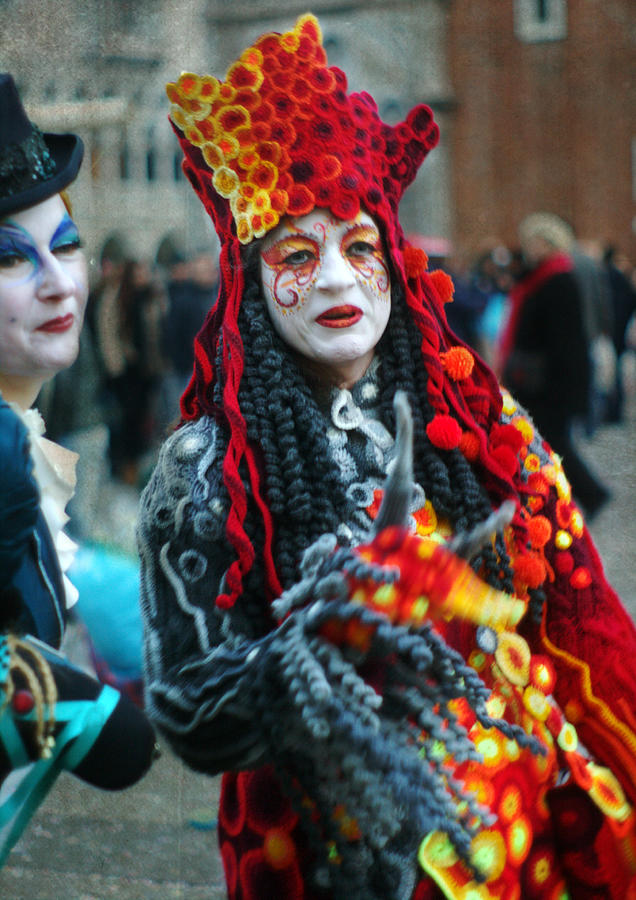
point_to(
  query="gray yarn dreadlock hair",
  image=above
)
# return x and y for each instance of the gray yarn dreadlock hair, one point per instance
(380, 757)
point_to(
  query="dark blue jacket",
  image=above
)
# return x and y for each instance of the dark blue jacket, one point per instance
(28, 560)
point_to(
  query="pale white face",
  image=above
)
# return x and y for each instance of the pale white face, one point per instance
(328, 290)
(43, 292)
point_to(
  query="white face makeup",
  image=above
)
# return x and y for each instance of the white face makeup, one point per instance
(43, 291)
(327, 288)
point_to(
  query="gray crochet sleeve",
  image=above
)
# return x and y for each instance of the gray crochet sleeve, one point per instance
(201, 667)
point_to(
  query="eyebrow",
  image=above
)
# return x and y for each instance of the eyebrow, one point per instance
(9, 225)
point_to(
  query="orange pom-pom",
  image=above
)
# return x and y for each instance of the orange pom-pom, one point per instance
(415, 261)
(538, 485)
(539, 531)
(529, 570)
(444, 432)
(580, 578)
(443, 285)
(469, 446)
(458, 363)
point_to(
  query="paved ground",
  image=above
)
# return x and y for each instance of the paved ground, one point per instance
(156, 841)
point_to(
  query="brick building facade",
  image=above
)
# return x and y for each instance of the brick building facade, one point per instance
(545, 117)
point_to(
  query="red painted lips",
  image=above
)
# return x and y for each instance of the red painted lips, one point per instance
(340, 317)
(61, 323)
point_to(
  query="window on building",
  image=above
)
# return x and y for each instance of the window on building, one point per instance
(541, 20)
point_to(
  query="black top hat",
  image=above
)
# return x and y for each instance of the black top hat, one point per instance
(33, 165)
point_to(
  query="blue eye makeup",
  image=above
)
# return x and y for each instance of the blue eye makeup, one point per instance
(17, 248)
(66, 235)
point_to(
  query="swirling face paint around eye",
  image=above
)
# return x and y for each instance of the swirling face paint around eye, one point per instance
(327, 288)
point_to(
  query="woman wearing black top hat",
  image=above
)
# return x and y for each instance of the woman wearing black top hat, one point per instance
(51, 714)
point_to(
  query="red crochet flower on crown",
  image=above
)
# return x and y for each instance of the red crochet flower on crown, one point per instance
(281, 136)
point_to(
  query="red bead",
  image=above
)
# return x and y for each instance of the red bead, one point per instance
(23, 702)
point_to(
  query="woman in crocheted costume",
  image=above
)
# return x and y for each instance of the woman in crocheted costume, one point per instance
(392, 722)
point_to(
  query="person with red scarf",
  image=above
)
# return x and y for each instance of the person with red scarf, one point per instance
(545, 356)
(369, 597)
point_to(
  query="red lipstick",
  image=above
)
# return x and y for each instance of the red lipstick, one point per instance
(61, 323)
(340, 317)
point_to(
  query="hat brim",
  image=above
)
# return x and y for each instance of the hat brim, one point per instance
(67, 151)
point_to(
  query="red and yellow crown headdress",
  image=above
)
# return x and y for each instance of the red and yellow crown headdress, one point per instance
(281, 136)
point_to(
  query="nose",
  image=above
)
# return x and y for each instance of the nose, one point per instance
(55, 281)
(335, 272)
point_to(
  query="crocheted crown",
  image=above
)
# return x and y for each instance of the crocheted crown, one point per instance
(281, 136)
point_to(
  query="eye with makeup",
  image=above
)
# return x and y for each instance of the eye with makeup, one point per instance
(66, 240)
(15, 256)
(298, 258)
(362, 241)
(67, 248)
(292, 253)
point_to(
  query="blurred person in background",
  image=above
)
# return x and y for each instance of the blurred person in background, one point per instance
(129, 333)
(105, 328)
(191, 288)
(591, 275)
(492, 275)
(622, 291)
(545, 356)
(469, 300)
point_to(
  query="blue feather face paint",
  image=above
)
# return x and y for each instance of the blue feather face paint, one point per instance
(19, 255)
(43, 290)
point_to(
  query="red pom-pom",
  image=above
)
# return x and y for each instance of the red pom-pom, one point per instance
(458, 363)
(415, 261)
(506, 458)
(444, 432)
(539, 531)
(564, 563)
(443, 285)
(508, 435)
(469, 446)
(529, 570)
